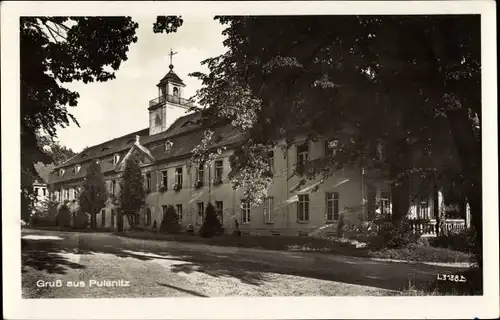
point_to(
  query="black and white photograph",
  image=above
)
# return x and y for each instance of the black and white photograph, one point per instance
(219, 150)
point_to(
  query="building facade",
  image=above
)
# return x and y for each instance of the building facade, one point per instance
(170, 178)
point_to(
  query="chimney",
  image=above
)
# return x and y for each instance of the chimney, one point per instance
(137, 137)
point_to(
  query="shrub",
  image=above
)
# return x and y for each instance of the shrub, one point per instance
(237, 233)
(64, 216)
(190, 229)
(461, 241)
(396, 236)
(211, 226)
(340, 226)
(170, 222)
(81, 220)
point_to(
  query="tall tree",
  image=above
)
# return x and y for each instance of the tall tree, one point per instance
(94, 195)
(391, 80)
(132, 193)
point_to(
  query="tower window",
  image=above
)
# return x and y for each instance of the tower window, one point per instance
(176, 91)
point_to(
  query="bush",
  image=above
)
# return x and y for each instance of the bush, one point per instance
(396, 236)
(64, 216)
(340, 226)
(211, 226)
(461, 241)
(81, 220)
(237, 233)
(170, 222)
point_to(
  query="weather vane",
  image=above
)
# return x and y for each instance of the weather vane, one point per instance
(171, 54)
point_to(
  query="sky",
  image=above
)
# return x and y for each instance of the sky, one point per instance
(107, 110)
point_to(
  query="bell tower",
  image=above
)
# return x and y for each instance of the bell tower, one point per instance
(170, 103)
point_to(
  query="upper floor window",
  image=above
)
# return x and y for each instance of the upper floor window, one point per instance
(178, 176)
(148, 181)
(302, 154)
(332, 206)
(219, 169)
(116, 158)
(303, 208)
(200, 172)
(331, 147)
(164, 177)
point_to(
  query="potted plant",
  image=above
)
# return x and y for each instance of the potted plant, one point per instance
(177, 186)
(162, 189)
(198, 184)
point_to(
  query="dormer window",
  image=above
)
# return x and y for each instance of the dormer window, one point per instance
(116, 158)
(168, 145)
(61, 172)
(77, 168)
(84, 155)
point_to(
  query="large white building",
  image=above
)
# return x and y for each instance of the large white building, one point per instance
(165, 148)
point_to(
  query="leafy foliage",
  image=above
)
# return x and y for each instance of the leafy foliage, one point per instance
(64, 216)
(211, 226)
(460, 241)
(170, 221)
(57, 50)
(81, 220)
(132, 193)
(167, 24)
(93, 196)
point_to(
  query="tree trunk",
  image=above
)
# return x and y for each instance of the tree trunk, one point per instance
(469, 154)
(400, 186)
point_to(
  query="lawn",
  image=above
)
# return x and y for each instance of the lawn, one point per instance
(414, 253)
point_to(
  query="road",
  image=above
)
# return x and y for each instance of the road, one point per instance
(77, 265)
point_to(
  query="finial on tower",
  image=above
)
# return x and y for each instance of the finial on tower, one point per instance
(172, 53)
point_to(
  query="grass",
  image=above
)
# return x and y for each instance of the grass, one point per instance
(419, 253)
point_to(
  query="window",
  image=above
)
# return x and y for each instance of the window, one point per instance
(385, 203)
(178, 209)
(113, 187)
(303, 208)
(201, 212)
(219, 168)
(148, 217)
(331, 147)
(116, 158)
(71, 194)
(168, 145)
(36, 191)
(103, 217)
(164, 209)
(113, 218)
(148, 181)
(178, 176)
(245, 211)
(219, 210)
(137, 217)
(61, 172)
(164, 178)
(332, 206)
(302, 154)
(77, 168)
(270, 160)
(200, 172)
(268, 209)
(176, 91)
(44, 191)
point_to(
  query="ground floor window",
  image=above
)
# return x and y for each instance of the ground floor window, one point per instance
(148, 217)
(268, 209)
(332, 206)
(200, 212)
(178, 210)
(219, 210)
(303, 208)
(385, 202)
(245, 211)
(103, 217)
(423, 209)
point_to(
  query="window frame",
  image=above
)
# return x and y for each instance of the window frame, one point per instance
(179, 176)
(245, 212)
(116, 158)
(179, 212)
(385, 202)
(200, 173)
(164, 178)
(302, 155)
(268, 209)
(200, 205)
(218, 169)
(332, 201)
(303, 208)
(148, 181)
(219, 212)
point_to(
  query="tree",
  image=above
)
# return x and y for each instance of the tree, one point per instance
(211, 225)
(132, 193)
(325, 76)
(170, 221)
(58, 153)
(93, 196)
(64, 217)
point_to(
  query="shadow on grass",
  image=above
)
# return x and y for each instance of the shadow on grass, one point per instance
(194, 293)
(250, 267)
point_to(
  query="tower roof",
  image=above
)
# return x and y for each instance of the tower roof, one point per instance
(171, 76)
